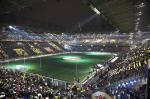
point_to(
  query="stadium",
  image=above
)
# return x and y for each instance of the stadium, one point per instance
(74, 49)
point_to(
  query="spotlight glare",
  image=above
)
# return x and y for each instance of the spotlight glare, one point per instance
(96, 11)
(10, 27)
(72, 58)
(20, 67)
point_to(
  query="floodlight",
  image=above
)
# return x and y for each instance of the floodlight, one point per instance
(96, 11)
(10, 27)
(19, 67)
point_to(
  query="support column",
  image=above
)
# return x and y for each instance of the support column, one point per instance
(148, 80)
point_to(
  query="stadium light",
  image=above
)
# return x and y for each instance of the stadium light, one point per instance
(95, 10)
(140, 13)
(141, 5)
(11, 27)
(138, 19)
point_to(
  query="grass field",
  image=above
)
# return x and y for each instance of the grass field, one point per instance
(62, 66)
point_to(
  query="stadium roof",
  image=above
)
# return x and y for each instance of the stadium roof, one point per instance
(127, 15)
(76, 15)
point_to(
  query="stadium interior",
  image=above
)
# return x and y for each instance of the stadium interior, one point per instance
(74, 49)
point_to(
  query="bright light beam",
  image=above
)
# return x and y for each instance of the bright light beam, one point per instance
(72, 58)
(95, 10)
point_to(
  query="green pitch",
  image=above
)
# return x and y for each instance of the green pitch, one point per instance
(62, 66)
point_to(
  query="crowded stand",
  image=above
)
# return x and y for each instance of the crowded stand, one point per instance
(103, 48)
(16, 84)
(123, 77)
(74, 49)
(132, 64)
(23, 42)
(14, 49)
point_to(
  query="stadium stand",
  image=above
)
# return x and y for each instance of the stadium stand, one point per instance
(119, 78)
(74, 49)
(132, 64)
(14, 49)
(16, 84)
